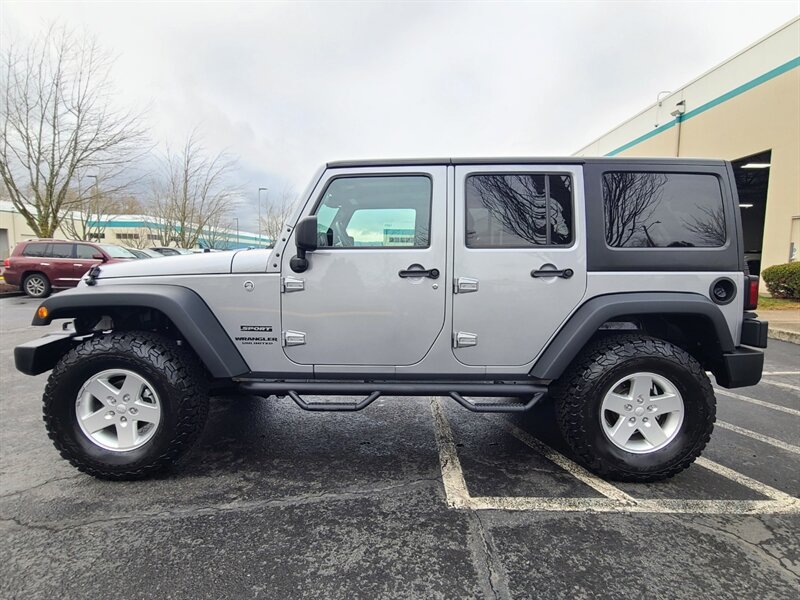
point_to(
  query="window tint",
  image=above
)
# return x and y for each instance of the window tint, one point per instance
(375, 212)
(35, 249)
(663, 210)
(85, 252)
(61, 251)
(518, 211)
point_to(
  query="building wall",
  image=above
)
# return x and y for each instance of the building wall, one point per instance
(749, 104)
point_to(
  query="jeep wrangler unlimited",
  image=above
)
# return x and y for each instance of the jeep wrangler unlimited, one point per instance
(611, 286)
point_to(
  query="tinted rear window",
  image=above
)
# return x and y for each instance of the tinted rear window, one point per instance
(663, 210)
(35, 249)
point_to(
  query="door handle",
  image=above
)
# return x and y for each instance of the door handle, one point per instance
(552, 272)
(416, 270)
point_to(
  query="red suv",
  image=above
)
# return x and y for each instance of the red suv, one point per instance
(37, 266)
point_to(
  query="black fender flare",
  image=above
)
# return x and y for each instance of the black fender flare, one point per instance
(587, 320)
(185, 308)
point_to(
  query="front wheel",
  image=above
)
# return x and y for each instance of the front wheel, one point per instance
(635, 408)
(126, 404)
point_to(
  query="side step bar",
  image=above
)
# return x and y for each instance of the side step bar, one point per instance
(374, 390)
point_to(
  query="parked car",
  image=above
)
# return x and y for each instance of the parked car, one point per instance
(170, 251)
(38, 266)
(610, 286)
(143, 252)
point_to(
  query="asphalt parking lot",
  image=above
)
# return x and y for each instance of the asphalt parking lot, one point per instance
(410, 498)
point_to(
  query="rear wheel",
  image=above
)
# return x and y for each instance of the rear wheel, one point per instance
(36, 285)
(635, 408)
(125, 405)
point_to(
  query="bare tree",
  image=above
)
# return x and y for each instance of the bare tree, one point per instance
(194, 190)
(56, 120)
(217, 232)
(91, 210)
(276, 214)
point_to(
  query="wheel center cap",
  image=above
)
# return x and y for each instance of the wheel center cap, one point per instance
(639, 410)
(121, 409)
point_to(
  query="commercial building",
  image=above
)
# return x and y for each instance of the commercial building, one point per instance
(140, 231)
(746, 110)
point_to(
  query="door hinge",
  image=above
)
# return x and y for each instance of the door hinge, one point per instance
(294, 338)
(465, 285)
(292, 284)
(464, 339)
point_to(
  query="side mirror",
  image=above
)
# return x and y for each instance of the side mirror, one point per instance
(305, 238)
(98, 256)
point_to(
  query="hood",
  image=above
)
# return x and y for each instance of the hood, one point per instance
(187, 264)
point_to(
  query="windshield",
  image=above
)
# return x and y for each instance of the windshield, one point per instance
(116, 251)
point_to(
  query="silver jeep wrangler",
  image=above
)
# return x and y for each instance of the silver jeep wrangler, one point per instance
(610, 286)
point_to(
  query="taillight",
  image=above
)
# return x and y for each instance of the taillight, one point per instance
(751, 299)
(7, 263)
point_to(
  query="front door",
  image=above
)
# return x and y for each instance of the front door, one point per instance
(520, 259)
(374, 291)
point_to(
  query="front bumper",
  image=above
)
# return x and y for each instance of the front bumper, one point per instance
(38, 356)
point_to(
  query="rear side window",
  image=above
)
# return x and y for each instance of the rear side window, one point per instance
(518, 210)
(35, 249)
(375, 212)
(663, 210)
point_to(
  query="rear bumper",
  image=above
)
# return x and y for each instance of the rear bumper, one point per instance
(754, 333)
(740, 368)
(38, 356)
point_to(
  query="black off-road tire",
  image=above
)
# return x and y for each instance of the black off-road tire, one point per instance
(579, 394)
(174, 372)
(42, 289)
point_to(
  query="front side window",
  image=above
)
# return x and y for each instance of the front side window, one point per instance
(375, 212)
(663, 210)
(85, 252)
(518, 210)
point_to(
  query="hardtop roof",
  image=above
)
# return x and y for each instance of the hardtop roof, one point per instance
(566, 160)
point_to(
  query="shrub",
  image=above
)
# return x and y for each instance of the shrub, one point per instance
(783, 281)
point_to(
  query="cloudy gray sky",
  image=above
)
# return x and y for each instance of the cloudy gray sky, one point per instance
(287, 86)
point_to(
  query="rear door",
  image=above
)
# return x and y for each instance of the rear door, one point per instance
(360, 301)
(520, 259)
(61, 271)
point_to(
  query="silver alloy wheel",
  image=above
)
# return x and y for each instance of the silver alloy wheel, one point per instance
(118, 410)
(35, 285)
(642, 413)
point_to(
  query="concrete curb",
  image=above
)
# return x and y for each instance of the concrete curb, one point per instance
(11, 294)
(784, 335)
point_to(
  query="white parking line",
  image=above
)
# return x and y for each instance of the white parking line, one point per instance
(781, 373)
(787, 386)
(786, 409)
(760, 437)
(615, 500)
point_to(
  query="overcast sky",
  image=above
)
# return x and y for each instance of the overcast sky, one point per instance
(288, 86)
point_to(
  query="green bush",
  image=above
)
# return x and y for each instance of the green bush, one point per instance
(783, 281)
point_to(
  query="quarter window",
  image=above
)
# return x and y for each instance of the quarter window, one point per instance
(518, 210)
(663, 210)
(375, 212)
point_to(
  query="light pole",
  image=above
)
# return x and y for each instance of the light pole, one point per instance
(259, 213)
(87, 221)
(237, 230)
